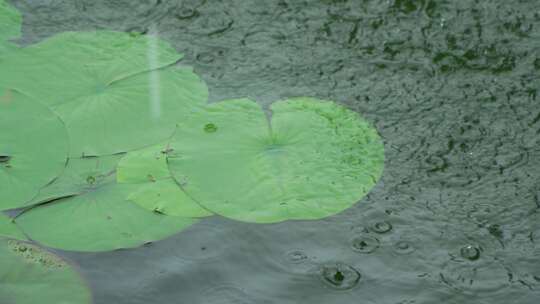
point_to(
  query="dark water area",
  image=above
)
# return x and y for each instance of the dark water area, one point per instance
(451, 86)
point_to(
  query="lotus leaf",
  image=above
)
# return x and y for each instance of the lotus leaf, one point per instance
(100, 219)
(9, 229)
(115, 92)
(311, 160)
(145, 165)
(33, 275)
(158, 191)
(80, 175)
(33, 148)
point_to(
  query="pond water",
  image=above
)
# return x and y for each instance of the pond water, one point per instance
(450, 86)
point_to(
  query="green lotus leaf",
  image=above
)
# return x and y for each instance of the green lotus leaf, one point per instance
(312, 160)
(101, 219)
(79, 175)
(10, 25)
(145, 165)
(9, 229)
(33, 275)
(33, 148)
(115, 92)
(158, 191)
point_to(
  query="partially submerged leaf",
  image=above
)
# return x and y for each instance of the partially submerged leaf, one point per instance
(313, 159)
(33, 148)
(115, 92)
(157, 192)
(8, 229)
(100, 219)
(33, 275)
(10, 26)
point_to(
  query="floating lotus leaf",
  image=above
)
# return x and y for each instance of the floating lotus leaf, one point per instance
(9, 229)
(33, 275)
(100, 219)
(313, 159)
(10, 25)
(145, 165)
(158, 191)
(115, 92)
(80, 175)
(33, 148)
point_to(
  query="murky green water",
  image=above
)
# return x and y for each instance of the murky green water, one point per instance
(450, 85)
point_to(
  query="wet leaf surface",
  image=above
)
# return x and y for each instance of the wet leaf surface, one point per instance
(8, 229)
(100, 218)
(112, 95)
(250, 169)
(34, 150)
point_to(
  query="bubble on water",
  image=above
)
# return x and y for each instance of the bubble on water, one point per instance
(404, 247)
(364, 244)
(381, 227)
(340, 276)
(470, 252)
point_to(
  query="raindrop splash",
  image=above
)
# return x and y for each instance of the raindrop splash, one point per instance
(364, 244)
(340, 276)
(296, 256)
(403, 247)
(381, 227)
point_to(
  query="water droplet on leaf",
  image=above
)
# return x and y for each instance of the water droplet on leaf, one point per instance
(210, 128)
(91, 180)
